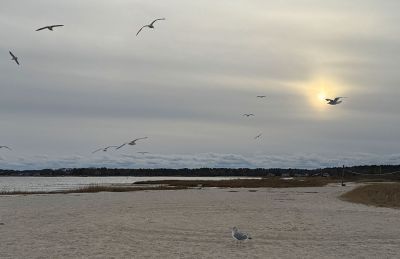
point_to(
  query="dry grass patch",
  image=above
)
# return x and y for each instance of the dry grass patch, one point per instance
(273, 182)
(379, 194)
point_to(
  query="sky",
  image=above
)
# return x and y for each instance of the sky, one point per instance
(186, 83)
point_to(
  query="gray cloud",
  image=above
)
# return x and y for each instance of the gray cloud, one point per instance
(186, 83)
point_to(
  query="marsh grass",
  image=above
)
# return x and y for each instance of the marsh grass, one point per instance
(272, 182)
(377, 194)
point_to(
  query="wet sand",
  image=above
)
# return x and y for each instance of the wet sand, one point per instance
(284, 223)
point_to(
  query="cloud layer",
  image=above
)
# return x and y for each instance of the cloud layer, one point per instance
(186, 83)
(210, 160)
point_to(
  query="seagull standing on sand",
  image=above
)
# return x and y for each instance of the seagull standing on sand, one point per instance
(258, 136)
(151, 25)
(50, 27)
(248, 114)
(334, 101)
(5, 147)
(132, 143)
(15, 58)
(103, 148)
(239, 236)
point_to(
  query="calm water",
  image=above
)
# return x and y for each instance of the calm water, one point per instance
(67, 183)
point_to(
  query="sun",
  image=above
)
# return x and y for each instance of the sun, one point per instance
(321, 88)
(322, 96)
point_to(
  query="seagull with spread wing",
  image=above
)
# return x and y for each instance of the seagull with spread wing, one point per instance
(151, 25)
(334, 101)
(50, 27)
(132, 143)
(248, 114)
(5, 147)
(105, 149)
(15, 58)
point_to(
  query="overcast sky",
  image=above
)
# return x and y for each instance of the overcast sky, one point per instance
(186, 83)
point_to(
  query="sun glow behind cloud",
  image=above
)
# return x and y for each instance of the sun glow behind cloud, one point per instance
(321, 88)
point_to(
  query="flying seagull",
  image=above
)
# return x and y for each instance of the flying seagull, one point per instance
(248, 114)
(151, 25)
(5, 147)
(334, 101)
(50, 27)
(261, 96)
(15, 58)
(103, 148)
(143, 153)
(258, 136)
(239, 236)
(132, 143)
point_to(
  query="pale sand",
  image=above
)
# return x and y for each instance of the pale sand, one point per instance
(284, 223)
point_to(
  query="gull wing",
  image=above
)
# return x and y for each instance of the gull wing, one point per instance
(5, 147)
(133, 142)
(97, 150)
(140, 138)
(121, 146)
(45, 27)
(57, 25)
(12, 55)
(240, 236)
(329, 100)
(141, 29)
(160, 19)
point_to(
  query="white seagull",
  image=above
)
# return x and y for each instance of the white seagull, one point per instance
(334, 101)
(151, 25)
(248, 114)
(239, 236)
(258, 136)
(103, 148)
(5, 147)
(50, 27)
(15, 58)
(132, 143)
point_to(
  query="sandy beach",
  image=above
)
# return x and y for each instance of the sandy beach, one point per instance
(284, 223)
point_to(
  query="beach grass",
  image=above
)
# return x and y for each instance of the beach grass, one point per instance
(377, 194)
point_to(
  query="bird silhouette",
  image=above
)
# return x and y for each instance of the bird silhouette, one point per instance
(334, 101)
(15, 58)
(151, 25)
(131, 143)
(258, 136)
(248, 114)
(5, 147)
(105, 149)
(50, 27)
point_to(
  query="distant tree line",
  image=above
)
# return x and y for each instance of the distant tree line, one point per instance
(384, 171)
